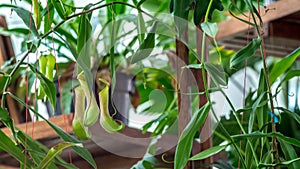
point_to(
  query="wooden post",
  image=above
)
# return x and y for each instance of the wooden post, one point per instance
(182, 53)
(206, 130)
(6, 52)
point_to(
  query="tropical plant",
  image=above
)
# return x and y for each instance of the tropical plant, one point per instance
(69, 27)
(257, 143)
(258, 139)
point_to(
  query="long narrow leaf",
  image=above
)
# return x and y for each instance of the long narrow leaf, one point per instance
(39, 151)
(185, 142)
(291, 114)
(27, 19)
(289, 153)
(262, 107)
(81, 151)
(35, 151)
(284, 163)
(201, 7)
(217, 73)
(207, 153)
(48, 86)
(48, 19)
(9, 146)
(7, 121)
(59, 8)
(287, 139)
(285, 63)
(84, 34)
(254, 107)
(289, 75)
(53, 152)
(141, 27)
(146, 47)
(244, 53)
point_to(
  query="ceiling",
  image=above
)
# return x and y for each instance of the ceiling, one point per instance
(281, 30)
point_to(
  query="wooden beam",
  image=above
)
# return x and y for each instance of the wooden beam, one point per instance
(276, 10)
(8, 167)
(182, 53)
(206, 130)
(6, 39)
(41, 129)
(284, 29)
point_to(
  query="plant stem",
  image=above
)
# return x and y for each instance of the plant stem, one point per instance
(240, 125)
(91, 10)
(266, 75)
(11, 74)
(82, 7)
(204, 76)
(230, 138)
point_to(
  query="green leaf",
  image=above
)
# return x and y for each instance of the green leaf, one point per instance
(27, 19)
(181, 12)
(141, 27)
(7, 121)
(140, 3)
(257, 134)
(82, 63)
(289, 75)
(115, 9)
(48, 19)
(289, 153)
(285, 63)
(249, 159)
(58, 5)
(201, 8)
(7, 145)
(291, 114)
(146, 163)
(217, 73)
(4, 115)
(207, 153)
(135, 2)
(81, 151)
(84, 48)
(35, 151)
(211, 29)
(53, 152)
(146, 47)
(16, 31)
(253, 10)
(185, 142)
(255, 105)
(238, 18)
(37, 13)
(48, 86)
(262, 108)
(245, 53)
(284, 163)
(84, 34)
